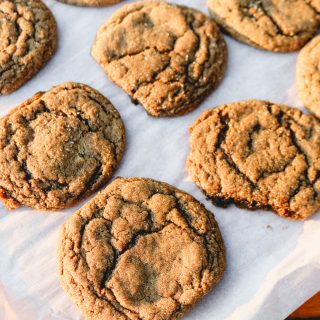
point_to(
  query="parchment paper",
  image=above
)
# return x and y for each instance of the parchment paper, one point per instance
(273, 264)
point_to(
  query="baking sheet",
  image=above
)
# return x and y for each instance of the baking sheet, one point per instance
(273, 264)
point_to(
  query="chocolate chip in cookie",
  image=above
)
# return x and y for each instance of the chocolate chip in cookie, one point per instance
(58, 147)
(165, 56)
(28, 39)
(258, 154)
(280, 26)
(141, 249)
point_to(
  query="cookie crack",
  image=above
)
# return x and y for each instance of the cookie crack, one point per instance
(300, 151)
(306, 176)
(205, 243)
(43, 183)
(224, 120)
(254, 130)
(138, 235)
(259, 4)
(13, 64)
(92, 180)
(183, 81)
(108, 274)
(121, 306)
(309, 3)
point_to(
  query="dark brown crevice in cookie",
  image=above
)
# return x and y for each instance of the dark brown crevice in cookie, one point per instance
(115, 304)
(228, 158)
(207, 237)
(254, 131)
(109, 273)
(225, 202)
(98, 215)
(232, 32)
(28, 175)
(261, 6)
(209, 255)
(301, 151)
(97, 174)
(24, 168)
(306, 181)
(313, 7)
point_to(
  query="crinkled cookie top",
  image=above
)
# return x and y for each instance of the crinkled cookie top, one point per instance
(273, 25)
(141, 249)
(58, 147)
(258, 154)
(27, 41)
(166, 57)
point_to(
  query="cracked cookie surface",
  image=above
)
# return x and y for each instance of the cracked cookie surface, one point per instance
(257, 154)
(141, 249)
(315, 5)
(166, 57)
(308, 75)
(91, 3)
(28, 39)
(280, 26)
(58, 147)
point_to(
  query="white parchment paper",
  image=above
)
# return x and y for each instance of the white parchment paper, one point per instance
(273, 264)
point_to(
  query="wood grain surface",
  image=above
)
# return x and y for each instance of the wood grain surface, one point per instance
(310, 310)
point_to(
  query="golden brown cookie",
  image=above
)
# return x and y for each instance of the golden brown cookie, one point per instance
(280, 26)
(141, 249)
(166, 57)
(28, 39)
(258, 155)
(308, 75)
(91, 3)
(58, 147)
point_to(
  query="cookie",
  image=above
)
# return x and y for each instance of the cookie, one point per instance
(308, 75)
(91, 3)
(28, 38)
(166, 57)
(58, 147)
(258, 155)
(280, 26)
(141, 249)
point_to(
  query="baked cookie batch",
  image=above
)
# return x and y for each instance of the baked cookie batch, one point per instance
(142, 249)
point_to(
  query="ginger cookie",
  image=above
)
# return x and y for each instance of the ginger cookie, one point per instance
(58, 147)
(141, 249)
(28, 39)
(280, 26)
(166, 57)
(308, 75)
(91, 3)
(258, 155)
